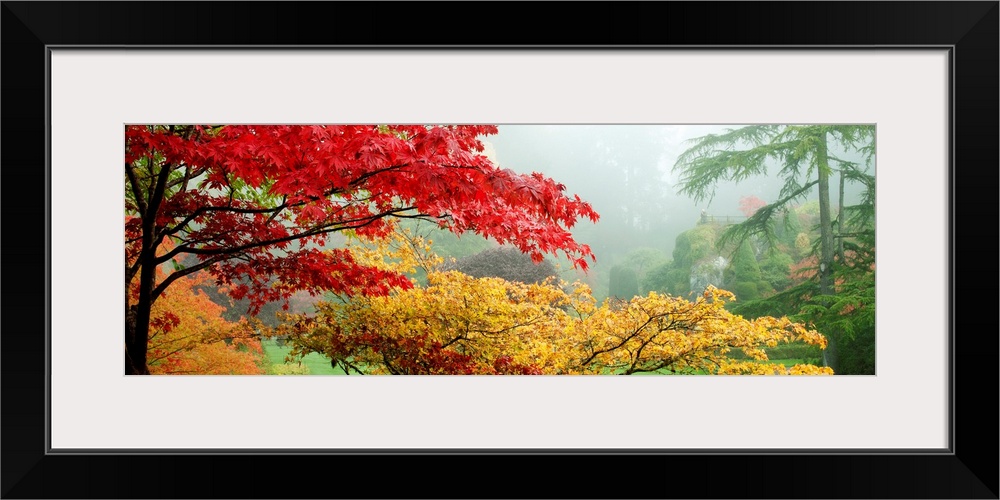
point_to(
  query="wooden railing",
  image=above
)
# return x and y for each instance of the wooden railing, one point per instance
(724, 220)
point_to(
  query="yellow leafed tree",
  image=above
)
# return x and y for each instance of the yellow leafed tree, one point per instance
(458, 324)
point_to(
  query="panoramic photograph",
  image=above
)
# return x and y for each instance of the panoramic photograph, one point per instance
(550, 249)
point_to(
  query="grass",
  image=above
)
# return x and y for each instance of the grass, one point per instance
(317, 363)
(663, 372)
(795, 361)
(320, 365)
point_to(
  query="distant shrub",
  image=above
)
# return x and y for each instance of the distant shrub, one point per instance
(775, 270)
(624, 283)
(802, 243)
(694, 245)
(794, 351)
(503, 262)
(746, 290)
(658, 278)
(788, 228)
(744, 266)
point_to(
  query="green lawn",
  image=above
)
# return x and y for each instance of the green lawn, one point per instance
(698, 372)
(320, 365)
(317, 363)
(796, 361)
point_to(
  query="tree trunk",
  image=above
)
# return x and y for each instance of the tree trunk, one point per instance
(840, 221)
(132, 367)
(137, 325)
(826, 242)
(137, 317)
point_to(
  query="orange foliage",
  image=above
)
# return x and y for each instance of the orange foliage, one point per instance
(807, 268)
(188, 335)
(804, 269)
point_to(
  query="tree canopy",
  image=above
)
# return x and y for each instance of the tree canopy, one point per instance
(802, 158)
(459, 324)
(255, 205)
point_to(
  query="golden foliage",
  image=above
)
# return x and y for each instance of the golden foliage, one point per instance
(460, 324)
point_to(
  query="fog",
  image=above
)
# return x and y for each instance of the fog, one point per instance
(625, 172)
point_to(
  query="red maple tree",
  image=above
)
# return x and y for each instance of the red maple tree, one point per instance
(749, 205)
(255, 203)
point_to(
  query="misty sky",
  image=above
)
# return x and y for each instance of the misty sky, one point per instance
(550, 149)
(625, 172)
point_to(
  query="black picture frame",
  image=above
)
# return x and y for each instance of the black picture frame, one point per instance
(968, 470)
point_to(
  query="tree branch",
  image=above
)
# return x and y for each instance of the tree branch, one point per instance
(330, 227)
(757, 223)
(367, 175)
(631, 335)
(203, 210)
(134, 182)
(174, 276)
